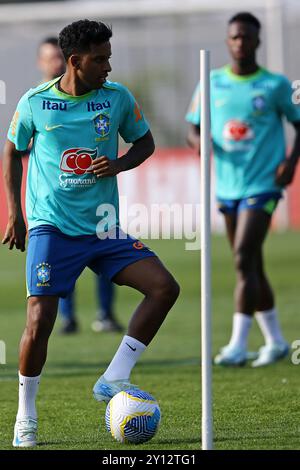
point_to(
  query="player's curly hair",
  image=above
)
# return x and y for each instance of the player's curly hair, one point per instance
(78, 36)
(245, 17)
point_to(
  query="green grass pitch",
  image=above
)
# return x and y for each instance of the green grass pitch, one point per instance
(253, 409)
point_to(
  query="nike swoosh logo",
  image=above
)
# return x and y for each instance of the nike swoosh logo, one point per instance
(252, 200)
(133, 349)
(51, 128)
(220, 102)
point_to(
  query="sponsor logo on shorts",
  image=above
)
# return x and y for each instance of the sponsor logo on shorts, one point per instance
(43, 274)
(138, 245)
(251, 201)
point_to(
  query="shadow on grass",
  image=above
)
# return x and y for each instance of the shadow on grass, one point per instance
(158, 442)
(255, 436)
(71, 369)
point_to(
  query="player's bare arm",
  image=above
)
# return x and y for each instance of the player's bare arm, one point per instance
(15, 233)
(193, 137)
(140, 150)
(286, 170)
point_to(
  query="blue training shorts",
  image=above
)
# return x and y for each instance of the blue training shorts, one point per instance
(266, 202)
(55, 260)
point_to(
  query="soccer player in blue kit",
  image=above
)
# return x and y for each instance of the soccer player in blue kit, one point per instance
(75, 121)
(51, 63)
(247, 106)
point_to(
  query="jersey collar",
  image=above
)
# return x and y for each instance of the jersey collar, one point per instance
(243, 78)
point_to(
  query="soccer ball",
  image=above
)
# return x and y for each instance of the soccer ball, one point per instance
(132, 416)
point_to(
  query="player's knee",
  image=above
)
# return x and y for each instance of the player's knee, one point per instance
(243, 260)
(40, 320)
(166, 288)
(172, 290)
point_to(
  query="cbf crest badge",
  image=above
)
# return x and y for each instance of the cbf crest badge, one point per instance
(102, 124)
(259, 103)
(43, 274)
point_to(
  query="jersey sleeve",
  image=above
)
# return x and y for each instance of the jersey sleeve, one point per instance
(133, 124)
(286, 106)
(193, 114)
(21, 127)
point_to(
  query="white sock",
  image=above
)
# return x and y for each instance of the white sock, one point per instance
(269, 326)
(240, 330)
(28, 388)
(125, 359)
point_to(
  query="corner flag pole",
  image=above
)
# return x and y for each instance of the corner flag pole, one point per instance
(206, 357)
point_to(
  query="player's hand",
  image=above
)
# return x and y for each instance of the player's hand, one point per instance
(103, 167)
(15, 234)
(285, 173)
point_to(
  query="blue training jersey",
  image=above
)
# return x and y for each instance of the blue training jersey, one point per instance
(68, 133)
(247, 129)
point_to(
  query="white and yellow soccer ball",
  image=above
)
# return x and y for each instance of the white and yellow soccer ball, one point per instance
(132, 416)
